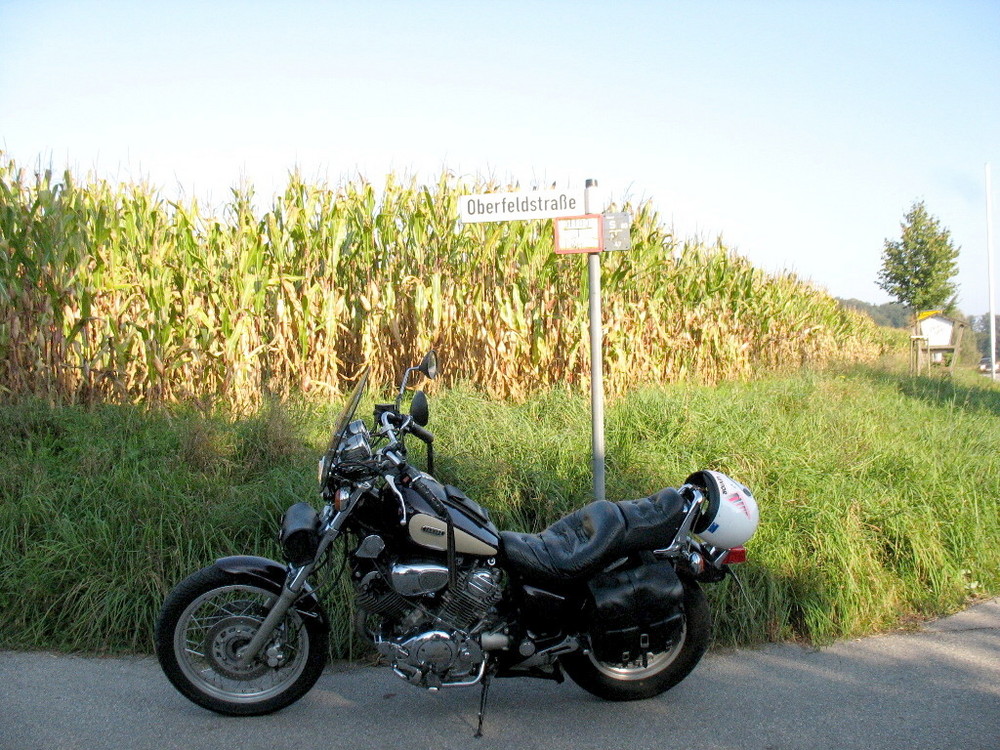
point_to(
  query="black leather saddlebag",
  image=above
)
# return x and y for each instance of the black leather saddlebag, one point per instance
(637, 611)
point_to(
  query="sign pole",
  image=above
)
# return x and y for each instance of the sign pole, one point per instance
(989, 264)
(596, 358)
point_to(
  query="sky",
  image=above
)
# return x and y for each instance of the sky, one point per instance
(800, 132)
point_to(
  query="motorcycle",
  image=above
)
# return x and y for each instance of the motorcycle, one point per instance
(609, 594)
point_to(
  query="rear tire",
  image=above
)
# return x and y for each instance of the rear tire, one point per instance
(204, 623)
(661, 671)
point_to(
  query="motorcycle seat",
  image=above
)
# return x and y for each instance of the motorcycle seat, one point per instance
(579, 545)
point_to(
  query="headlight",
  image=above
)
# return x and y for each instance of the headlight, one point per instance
(299, 537)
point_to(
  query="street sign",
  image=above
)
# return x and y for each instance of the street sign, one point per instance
(534, 204)
(578, 234)
(616, 231)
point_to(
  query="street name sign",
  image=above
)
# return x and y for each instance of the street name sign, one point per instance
(519, 206)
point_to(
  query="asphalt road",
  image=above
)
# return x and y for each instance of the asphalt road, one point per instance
(935, 688)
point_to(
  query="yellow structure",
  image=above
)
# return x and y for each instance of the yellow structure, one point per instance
(934, 336)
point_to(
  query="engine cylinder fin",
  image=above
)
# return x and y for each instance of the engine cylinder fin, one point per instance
(475, 592)
(374, 595)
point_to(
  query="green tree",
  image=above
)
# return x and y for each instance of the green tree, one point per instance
(981, 327)
(917, 269)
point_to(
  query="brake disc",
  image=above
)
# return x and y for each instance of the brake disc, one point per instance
(224, 643)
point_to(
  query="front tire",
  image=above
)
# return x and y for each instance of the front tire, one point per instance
(657, 672)
(204, 623)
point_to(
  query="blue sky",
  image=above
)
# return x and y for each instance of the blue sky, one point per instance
(800, 131)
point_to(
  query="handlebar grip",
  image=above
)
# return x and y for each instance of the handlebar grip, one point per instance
(420, 433)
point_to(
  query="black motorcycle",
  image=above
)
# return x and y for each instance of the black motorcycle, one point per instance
(608, 594)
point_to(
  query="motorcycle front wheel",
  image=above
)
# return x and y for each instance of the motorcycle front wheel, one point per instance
(203, 626)
(656, 672)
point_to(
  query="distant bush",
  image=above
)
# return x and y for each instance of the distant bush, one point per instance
(890, 314)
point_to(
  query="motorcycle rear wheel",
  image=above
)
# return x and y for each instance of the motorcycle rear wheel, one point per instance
(657, 672)
(204, 623)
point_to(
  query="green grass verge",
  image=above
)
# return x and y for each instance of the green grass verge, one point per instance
(878, 496)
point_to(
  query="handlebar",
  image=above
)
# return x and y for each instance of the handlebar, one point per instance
(405, 424)
(420, 433)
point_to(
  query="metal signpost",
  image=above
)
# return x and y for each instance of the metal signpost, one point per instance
(989, 265)
(596, 357)
(577, 230)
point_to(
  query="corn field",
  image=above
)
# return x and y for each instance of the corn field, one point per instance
(110, 292)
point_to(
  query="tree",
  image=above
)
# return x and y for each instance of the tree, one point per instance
(917, 269)
(981, 327)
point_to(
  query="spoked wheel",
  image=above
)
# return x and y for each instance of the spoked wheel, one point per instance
(203, 628)
(654, 673)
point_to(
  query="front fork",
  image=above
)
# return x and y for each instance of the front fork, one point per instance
(290, 592)
(295, 583)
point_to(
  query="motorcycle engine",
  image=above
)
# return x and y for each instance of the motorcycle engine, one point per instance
(425, 624)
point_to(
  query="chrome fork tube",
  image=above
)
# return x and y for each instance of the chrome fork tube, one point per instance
(281, 606)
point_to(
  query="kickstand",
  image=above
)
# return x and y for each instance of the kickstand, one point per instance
(482, 703)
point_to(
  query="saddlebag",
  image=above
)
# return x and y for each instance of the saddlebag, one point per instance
(636, 611)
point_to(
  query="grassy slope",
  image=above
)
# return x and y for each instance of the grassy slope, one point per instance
(877, 493)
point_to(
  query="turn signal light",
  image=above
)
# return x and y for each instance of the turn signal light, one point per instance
(736, 555)
(341, 498)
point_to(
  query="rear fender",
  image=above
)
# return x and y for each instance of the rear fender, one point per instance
(271, 575)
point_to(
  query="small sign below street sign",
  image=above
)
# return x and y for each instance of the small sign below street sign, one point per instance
(617, 228)
(533, 204)
(578, 234)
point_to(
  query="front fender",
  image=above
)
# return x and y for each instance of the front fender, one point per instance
(271, 575)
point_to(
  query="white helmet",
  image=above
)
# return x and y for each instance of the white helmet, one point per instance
(732, 515)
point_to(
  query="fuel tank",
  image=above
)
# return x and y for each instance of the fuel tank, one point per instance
(475, 533)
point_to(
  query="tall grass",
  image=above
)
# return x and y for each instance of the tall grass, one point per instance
(877, 496)
(110, 292)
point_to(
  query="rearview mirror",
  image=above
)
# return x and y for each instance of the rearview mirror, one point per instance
(429, 365)
(419, 409)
